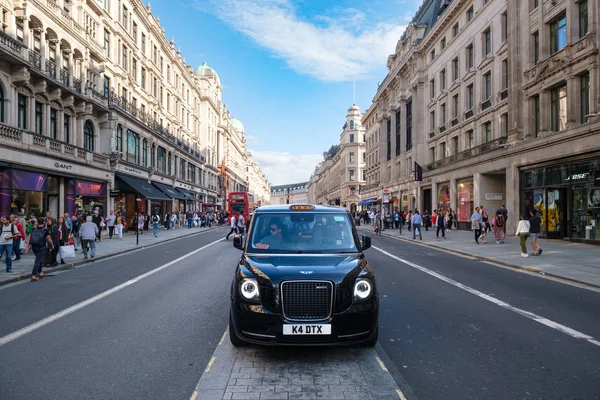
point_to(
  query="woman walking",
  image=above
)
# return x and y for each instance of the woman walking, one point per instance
(523, 234)
(53, 231)
(63, 235)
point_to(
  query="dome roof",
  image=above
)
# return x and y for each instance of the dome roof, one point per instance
(205, 70)
(237, 124)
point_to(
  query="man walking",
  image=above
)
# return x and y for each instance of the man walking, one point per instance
(88, 233)
(535, 228)
(97, 219)
(39, 239)
(440, 223)
(504, 212)
(190, 219)
(476, 224)
(232, 224)
(17, 239)
(416, 224)
(155, 222)
(7, 233)
(110, 222)
(241, 224)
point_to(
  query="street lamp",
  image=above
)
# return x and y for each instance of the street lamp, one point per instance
(137, 221)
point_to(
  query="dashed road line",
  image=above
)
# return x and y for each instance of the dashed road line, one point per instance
(537, 318)
(223, 338)
(55, 317)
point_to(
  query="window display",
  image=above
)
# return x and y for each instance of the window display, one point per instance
(465, 201)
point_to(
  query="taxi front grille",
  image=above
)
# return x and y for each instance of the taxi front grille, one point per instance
(307, 300)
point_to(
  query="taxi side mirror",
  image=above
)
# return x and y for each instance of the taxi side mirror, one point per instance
(366, 242)
(238, 242)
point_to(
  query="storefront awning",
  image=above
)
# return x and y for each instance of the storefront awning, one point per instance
(368, 201)
(169, 191)
(139, 186)
(188, 195)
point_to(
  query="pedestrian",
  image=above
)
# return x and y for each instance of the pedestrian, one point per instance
(409, 219)
(99, 221)
(155, 222)
(63, 236)
(426, 220)
(8, 232)
(523, 233)
(449, 219)
(504, 212)
(17, 239)
(190, 219)
(476, 224)
(89, 233)
(110, 223)
(440, 222)
(499, 226)
(167, 221)
(39, 242)
(416, 223)
(119, 225)
(76, 224)
(232, 225)
(535, 228)
(396, 219)
(140, 223)
(241, 224)
(52, 228)
(486, 220)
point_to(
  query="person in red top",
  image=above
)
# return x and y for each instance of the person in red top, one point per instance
(17, 240)
(434, 217)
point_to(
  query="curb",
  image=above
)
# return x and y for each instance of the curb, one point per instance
(71, 265)
(506, 264)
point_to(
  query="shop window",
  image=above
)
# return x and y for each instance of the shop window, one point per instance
(133, 147)
(144, 153)
(558, 34)
(583, 18)
(559, 108)
(464, 201)
(556, 175)
(67, 128)
(39, 117)
(1, 104)
(53, 123)
(88, 136)
(585, 97)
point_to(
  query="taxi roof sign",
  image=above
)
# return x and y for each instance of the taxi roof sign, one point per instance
(302, 208)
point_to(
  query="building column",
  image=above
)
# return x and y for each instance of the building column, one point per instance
(43, 49)
(545, 112)
(434, 196)
(393, 172)
(453, 194)
(573, 102)
(513, 197)
(57, 60)
(82, 71)
(26, 35)
(594, 90)
(477, 192)
(71, 69)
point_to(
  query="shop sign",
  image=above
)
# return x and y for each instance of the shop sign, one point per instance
(131, 170)
(66, 167)
(386, 198)
(576, 177)
(493, 196)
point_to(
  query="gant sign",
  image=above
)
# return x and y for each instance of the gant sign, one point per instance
(62, 166)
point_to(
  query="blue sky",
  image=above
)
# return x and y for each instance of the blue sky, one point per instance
(287, 66)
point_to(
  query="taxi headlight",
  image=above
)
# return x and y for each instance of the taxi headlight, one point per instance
(362, 289)
(249, 289)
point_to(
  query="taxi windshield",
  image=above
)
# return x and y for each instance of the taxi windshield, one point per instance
(302, 232)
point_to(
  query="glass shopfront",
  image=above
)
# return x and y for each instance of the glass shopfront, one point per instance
(443, 196)
(464, 203)
(567, 197)
(22, 191)
(90, 197)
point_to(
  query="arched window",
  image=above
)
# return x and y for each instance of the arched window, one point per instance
(161, 160)
(352, 124)
(144, 153)
(88, 136)
(133, 147)
(120, 138)
(1, 104)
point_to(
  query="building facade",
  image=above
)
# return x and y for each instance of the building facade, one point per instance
(339, 178)
(497, 101)
(258, 184)
(99, 111)
(295, 193)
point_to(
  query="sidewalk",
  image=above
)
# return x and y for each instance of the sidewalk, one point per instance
(567, 260)
(106, 248)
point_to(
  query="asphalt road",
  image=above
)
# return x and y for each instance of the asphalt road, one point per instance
(447, 343)
(153, 338)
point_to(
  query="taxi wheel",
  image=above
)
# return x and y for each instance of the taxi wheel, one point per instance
(233, 338)
(373, 341)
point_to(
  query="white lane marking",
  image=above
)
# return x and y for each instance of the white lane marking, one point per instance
(544, 321)
(37, 325)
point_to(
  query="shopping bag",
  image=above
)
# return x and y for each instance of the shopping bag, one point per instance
(23, 245)
(71, 240)
(67, 252)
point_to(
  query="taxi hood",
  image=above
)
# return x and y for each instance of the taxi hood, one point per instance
(331, 267)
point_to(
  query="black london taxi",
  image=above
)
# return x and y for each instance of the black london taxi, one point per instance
(303, 280)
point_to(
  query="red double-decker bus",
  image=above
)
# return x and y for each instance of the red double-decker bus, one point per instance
(240, 202)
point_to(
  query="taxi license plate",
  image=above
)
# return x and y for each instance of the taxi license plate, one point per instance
(305, 329)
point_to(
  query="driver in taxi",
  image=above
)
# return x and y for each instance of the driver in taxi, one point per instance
(276, 233)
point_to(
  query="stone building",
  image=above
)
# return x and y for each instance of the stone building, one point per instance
(295, 193)
(338, 179)
(98, 110)
(258, 184)
(497, 101)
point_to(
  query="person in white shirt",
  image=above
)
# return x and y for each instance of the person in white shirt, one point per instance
(523, 234)
(232, 224)
(241, 224)
(110, 222)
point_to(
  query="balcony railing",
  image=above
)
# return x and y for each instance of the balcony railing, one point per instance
(29, 141)
(12, 44)
(474, 152)
(126, 106)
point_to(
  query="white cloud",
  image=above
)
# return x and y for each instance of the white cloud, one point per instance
(338, 47)
(252, 140)
(282, 167)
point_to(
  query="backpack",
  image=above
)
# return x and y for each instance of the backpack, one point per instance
(499, 220)
(38, 237)
(154, 219)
